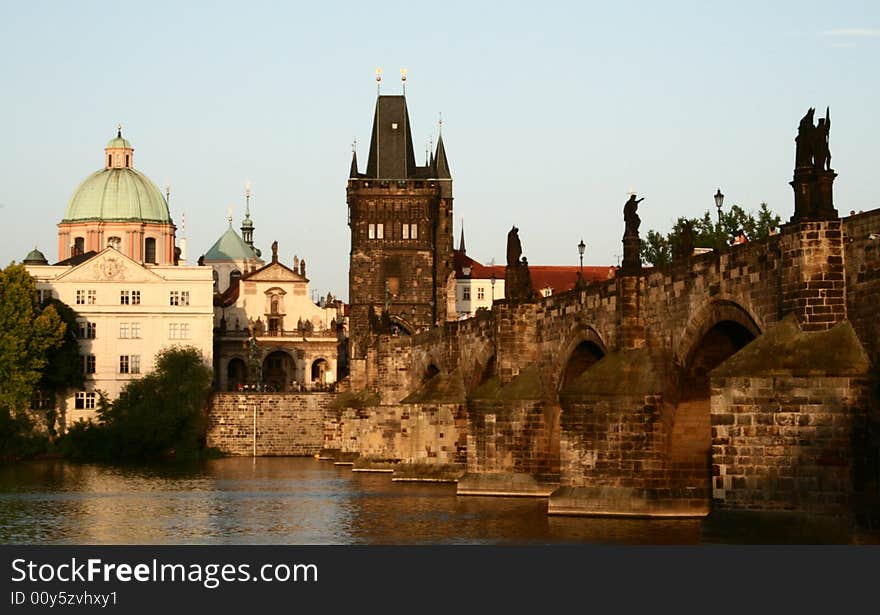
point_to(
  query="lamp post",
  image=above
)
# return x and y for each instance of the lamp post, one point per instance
(581, 247)
(719, 201)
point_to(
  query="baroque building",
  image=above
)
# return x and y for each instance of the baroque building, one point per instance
(120, 270)
(400, 216)
(268, 333)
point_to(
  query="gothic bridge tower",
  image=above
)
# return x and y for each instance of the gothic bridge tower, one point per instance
(400, 215)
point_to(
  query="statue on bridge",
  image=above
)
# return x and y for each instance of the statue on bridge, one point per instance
(632, 244)
(813, 175)
(517, 278)
(631, 219)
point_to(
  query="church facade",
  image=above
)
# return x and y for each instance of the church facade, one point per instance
(122, 271)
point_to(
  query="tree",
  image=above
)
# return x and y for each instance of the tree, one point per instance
(63, 362)
(160, 414)
(27, 335)
(658, 249)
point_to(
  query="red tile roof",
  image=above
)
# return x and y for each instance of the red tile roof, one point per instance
(559, 278)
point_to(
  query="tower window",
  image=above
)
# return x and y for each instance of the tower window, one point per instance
(126, 160)
(79, 246)
(150, 250)
(109, 160)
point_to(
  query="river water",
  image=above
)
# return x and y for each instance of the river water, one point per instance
(289, 500)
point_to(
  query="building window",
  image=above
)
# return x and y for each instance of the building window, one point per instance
(178, 331)
(42, 400)
(129, 297)
(84, 401)
(129, 364)
(481, 293)
(178, 297)
(44, 294)
(135, 330)
(371, 231)
(150, 250)
(88, 364)
(79, 246)
(466, 293)
(124, 331)
(86, 297)
(380, 231)
(126, 160)
(546, 292)
(405, 232)
(114, 242)
(413, 231)
(109, 160)
(87, 330)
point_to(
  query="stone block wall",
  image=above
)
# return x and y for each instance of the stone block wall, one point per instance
(862, 256)
(786, 442)
(286, 424)
(813, 286)
(425, 433)
(513, 436)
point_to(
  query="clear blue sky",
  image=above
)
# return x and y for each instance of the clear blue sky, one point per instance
(552, 112)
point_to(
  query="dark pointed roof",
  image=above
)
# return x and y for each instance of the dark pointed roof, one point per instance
(441, 164)
(354, 166)
(461, 242)
(391, 147)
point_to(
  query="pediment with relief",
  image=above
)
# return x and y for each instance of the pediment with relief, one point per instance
(275, 272)
(110, 266)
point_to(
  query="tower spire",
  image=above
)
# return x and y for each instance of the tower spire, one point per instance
(461, 242)
(247, 226)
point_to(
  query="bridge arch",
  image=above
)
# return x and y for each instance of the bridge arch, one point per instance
(718, 330)
(707, 317)
(583, 347)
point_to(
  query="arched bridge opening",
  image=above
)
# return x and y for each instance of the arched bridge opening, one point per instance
(691, 436)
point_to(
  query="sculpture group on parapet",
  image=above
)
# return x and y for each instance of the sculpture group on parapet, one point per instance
(812, 142)
(517, 279)
(813, 176)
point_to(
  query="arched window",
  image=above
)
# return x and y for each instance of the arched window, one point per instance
(126, 160)
(275, 303)
(150, 250)
(109, 160)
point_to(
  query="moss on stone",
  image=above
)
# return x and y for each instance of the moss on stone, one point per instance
(351, 399)
(785, 349)
(526, 385)
(442, 388)
(622, 373)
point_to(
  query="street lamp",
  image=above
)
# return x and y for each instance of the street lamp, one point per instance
(719, 200)
(581, 247)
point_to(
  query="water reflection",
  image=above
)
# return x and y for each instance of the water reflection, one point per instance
(300, 501)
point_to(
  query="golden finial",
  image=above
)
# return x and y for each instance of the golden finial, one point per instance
(403, 79)
(378, 78)
(247, 188)
(229, 215)
(440, 123)
(119, 130)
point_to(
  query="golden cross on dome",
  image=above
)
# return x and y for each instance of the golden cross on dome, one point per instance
(119, 130)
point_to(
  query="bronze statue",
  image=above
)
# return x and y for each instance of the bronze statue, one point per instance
(803, 156)
(630, 217)
(514, 247)
(275, 251)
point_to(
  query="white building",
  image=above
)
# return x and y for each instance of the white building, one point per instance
(119, 271)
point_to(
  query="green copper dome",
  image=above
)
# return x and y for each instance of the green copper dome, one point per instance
(35, 257)
(117, 194)
(118, 141)
(230, 247)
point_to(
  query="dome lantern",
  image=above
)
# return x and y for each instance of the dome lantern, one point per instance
(119, 154)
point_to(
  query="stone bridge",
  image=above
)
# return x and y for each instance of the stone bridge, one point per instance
(742, 379)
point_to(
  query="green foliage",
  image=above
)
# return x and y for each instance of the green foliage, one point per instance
(159, 415)
(658, 249)
(27, 335)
